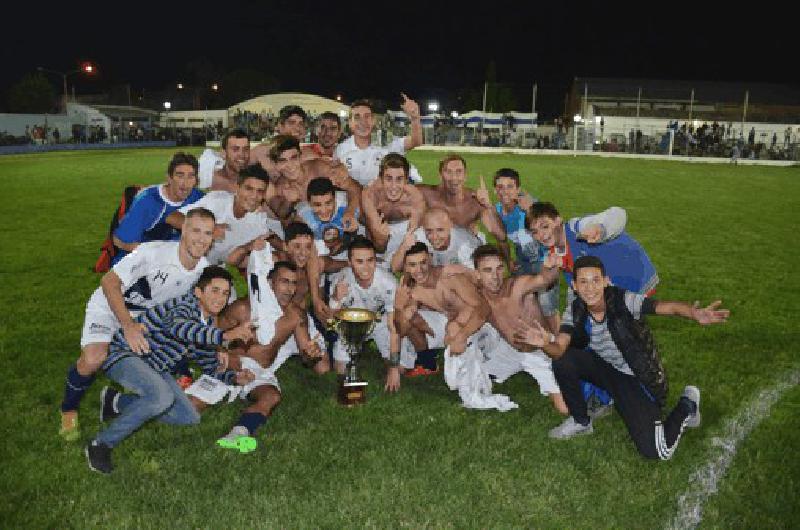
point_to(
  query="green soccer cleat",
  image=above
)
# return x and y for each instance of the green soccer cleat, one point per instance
(239, 442)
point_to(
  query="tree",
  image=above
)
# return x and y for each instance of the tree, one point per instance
(32, 94)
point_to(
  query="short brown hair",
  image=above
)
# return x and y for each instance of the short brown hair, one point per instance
(449, 158)
(361, 103)
(485, 251)
(281, 143)
(203, 213)
(394, 160)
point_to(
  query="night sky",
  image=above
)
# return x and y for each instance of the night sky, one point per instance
(423, 48)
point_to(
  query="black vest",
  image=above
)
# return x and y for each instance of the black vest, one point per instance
(633, 338)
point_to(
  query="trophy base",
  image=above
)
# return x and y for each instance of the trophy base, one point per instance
(352, 394)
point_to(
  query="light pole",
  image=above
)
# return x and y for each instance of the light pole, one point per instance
(87, 68)
(433, 106)
(575, 121)
(167, 106)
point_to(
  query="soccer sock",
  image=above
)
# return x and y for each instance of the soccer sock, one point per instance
(251, 421)
(674, 422)
(427, 359)
(74, 389)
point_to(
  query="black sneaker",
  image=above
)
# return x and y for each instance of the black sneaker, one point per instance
(108, 404)
(98, 456)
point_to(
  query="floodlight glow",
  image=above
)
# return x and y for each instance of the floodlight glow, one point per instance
(597, 119)
(454, 114)
(338, 97)
(180, 86)
(215, 87)
(342, 113)
(130, 123)
(577, 118)
(433, 106)
(88, 68)
(167, 105)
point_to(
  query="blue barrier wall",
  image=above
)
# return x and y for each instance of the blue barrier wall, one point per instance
(24, 149)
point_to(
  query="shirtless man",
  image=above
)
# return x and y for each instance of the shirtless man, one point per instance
(464, 205)
(446, 307)
(392, 206)
(292, 121)
(291, 336)
(449, 244)
(510, 302)
(329, 130)
(221, 173)
(291, 176)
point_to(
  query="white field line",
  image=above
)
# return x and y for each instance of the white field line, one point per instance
(704, 481)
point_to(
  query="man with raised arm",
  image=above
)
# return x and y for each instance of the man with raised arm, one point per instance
(363, 158)
(512, 300)
(605, 340)
(464, 206)
(392, 206)
(152, 274)
(450, 245)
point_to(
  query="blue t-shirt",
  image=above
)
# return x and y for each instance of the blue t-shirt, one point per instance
(145, 219)
(528, 250)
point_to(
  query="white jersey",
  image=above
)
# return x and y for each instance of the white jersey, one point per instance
(462, 244)
(378, 297)
(240, 230)
(364, 164)
(151, 275)
(209, 162)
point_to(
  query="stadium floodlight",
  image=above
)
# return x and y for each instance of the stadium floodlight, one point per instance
(433, 106)
(86, 67)
(130, 123)
(214, 87)
(167, 105)
(180, 86)
(454, 114)
(338, 97)
(577, 118)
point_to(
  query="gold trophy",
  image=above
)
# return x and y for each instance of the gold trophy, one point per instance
(354, 326)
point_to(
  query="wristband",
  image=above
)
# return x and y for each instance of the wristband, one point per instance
(394, 358)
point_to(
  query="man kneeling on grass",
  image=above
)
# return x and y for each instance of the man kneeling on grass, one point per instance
(603, 339)
(179, 330)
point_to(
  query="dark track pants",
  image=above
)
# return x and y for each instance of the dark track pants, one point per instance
(641, 414)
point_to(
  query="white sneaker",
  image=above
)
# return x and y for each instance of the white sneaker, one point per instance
(692, 393)
(570, 428)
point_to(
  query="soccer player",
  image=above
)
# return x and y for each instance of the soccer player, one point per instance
(366, 286)
(221, 173)
(361, 156)
(604, 339)
(292, 121)
(146, 218)
(324, 214)
(239, 218)
(528, 253)
(291, 178)
(602, 235)
(154, 273)
(180, 330)
(449, 244)
(291, 336)
(392, 206)
(329, 131)
(512, 300)
(434, 310)
(464, 205)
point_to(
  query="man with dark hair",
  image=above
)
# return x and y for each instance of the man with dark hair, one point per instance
(450, 245)
(146, 217)
(392, 206)
(434, 310)
(361, 156)
(324, 214)
(604, 339)
(180, 330)
(239, 217)
(156, 272)
(329, 131)
(464, 206)
(221, 173)
(529, 254)
(602, 235)
(512, 300)
(366, 286)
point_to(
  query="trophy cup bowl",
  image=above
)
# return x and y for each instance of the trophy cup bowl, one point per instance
(353, 326)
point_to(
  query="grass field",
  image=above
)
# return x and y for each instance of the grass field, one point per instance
(416, 459)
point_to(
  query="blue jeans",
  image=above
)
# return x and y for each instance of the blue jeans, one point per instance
(157, 394)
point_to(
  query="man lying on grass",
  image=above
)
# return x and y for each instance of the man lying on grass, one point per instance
(605, 340)
(179, 330)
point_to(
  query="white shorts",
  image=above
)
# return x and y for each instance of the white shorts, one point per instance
(437, 322)
(381, 337)
(98, 327)
(502, 361)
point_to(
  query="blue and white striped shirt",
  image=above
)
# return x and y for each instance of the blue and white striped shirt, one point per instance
(176, 330)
